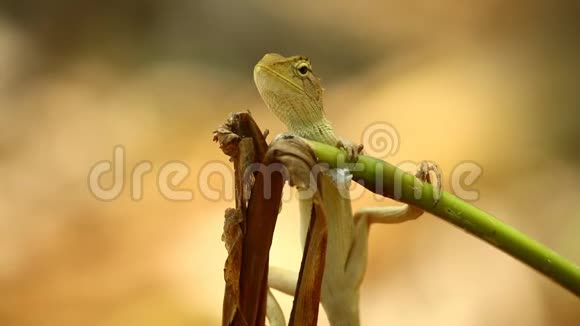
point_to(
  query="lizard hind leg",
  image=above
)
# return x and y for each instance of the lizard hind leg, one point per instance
(284, 281)
(274, 311)
(357, 258)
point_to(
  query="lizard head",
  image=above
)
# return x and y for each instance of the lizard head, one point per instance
(290, 89)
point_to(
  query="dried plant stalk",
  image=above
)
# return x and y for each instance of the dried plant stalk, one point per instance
(249, 228)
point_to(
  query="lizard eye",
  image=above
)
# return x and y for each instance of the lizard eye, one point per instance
(303, 68)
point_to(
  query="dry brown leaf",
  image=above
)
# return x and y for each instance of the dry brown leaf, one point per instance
(249, 229)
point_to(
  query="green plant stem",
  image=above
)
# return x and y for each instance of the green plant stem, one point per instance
(388, 180)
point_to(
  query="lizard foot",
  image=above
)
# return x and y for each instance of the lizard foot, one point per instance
(424, 174)
(352, 150)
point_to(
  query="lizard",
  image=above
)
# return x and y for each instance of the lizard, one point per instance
(293, 92)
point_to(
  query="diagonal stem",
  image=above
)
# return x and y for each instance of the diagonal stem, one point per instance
(388, 180)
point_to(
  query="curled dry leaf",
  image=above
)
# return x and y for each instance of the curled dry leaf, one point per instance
(227, 140)
(296, 156)
(299, 161)
(249, 228)
(233, 238)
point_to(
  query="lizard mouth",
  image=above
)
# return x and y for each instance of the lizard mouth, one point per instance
(265, 70)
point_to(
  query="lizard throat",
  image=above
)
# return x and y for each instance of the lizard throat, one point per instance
(321, 132)
(301, 116)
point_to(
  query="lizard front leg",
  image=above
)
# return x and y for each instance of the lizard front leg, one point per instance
(364, 217)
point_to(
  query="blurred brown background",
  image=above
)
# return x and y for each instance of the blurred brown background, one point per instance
(492, 82)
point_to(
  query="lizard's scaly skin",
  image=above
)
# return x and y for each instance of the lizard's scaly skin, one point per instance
(294, 98)
(294, 94)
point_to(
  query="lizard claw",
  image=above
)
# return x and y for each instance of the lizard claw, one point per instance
(284, 135)
(352, 150)
(424, 174)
